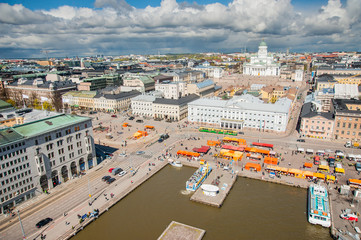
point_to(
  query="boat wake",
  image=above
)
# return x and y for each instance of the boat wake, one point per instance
(185, 192)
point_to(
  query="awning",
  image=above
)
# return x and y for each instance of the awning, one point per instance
(320, 151)
(308, 173)
(330, 177)
(324, 167)
(319, 175)
(294, 171)
(301, 149)
(308, 165)
(340, 154)
(272, 153)
(339, 170)
(309, 150)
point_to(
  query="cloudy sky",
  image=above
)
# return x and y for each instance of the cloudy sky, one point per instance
(114, 27)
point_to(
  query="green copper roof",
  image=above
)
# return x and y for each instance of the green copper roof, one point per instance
(9, 135)
(85, 94)
(48, 124)
(263, 43)
(5, 105)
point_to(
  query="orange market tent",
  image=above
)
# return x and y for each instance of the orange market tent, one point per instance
(125, 124)
(296, 172)
(308, 173)
(254, 156)
(238, 140)
(340, 170)
(257, 150)
(272, 168)
(283, 170)
(319, 175)
(213, 143)
(324, 168)
(235, 155)
(356, 183)
(270, 160)
(308, 165)
(186, 153)
(140, 134)
(148, 127)
(201, 161)
(330, 178)
(254, 166)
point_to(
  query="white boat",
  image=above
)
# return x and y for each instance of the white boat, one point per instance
(318, 206)
(198, 178)
(175, 163)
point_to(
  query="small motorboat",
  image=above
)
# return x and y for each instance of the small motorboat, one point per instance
(349, 216)
(175, 163)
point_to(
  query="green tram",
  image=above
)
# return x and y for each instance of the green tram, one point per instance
(218, 131)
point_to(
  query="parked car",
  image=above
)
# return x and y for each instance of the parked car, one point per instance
(140, 152)
(122, 173)
(338, 151)
(105, 178)
(300, 140)
(114, 116)
(242, 133)
(110, 170)
(110, 180)
(139, 121)
(358, 166)
(43, 222)
(131, 118)
(122, 155)
(116, 171)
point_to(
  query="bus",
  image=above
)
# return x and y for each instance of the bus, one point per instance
(218, 131)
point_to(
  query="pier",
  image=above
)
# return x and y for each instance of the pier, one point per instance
(225, 179)
(176, 230)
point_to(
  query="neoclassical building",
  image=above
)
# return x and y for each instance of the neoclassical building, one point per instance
(262, 64)
(39, 155)
(241, 112)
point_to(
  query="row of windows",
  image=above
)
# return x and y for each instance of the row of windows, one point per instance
(14, 178)
(349, 125)
(59, 134)
(12, 154)
(323, 122)
(24, 189)
(348, 133)
(13, 162)
(12, 146)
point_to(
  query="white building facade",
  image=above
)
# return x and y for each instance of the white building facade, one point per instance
(40, 155)
(241, 112)
(262, 64)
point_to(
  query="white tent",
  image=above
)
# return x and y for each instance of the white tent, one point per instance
(309, 150)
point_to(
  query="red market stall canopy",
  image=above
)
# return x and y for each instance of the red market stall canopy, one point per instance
(213, 143)
(254, 166)
(270, 160)
(262, 144)
(203, 149)
(186, 153)
(234, 148)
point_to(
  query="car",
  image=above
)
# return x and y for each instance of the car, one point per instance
(131, 118)
(338, 151)
(242, 133)
(110, 180)
(300, 140)
(43, 222)
(110, 170)
(113, 116)
(160, 140)
(105, 178)
(122, 173)
(139, 121)
(122, 155)
(140, 152)
(358, 166)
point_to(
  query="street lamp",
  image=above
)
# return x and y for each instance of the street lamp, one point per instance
(21, 225)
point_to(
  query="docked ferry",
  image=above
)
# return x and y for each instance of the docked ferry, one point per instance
(318, 206)
(198, 177)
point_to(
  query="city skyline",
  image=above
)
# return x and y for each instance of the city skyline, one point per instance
(116, 27)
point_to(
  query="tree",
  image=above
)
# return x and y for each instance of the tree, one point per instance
(32, 99)
(4, 94)
(56, 100)
(37, 104)
(47, 106)
(12, 102)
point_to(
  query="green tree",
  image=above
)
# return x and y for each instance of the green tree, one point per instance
(37, 104)
(47, 106)
(12, 102)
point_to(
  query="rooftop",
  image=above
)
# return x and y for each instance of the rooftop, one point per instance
(180, 101)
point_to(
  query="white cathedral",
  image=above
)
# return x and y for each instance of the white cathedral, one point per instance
(262, 64)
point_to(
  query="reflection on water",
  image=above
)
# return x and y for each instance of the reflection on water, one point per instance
(252, 210)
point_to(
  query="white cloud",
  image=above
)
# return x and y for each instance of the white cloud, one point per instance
(114, 24)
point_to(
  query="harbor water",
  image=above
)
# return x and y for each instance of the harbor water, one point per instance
(253, 210)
